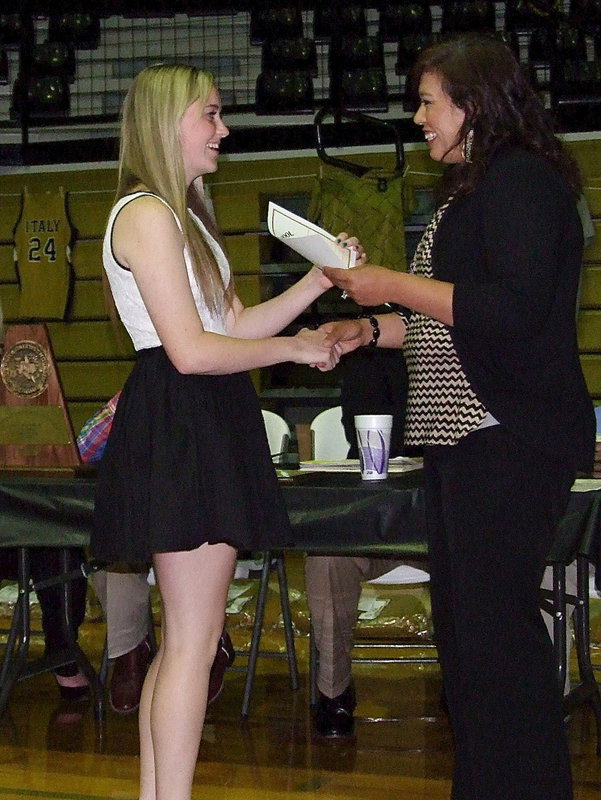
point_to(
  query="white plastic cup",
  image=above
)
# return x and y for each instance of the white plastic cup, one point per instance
(373, 440)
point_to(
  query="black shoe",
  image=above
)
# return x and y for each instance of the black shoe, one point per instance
(334, 715)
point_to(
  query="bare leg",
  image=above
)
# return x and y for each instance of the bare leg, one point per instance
(193, 587)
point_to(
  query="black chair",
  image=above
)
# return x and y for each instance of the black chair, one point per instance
(575, 81)
(511, 39)
(349, 50)
(54, 58)
(10, 30)
(12, 7)
(289, 54)
(409, 47)
(284, 92)
(571, 42)
(82, 30)
(4, 73)
(523, 16)
(542, 46)
(539, 75)
(575, 91)
(334, 19)
(585, 14)
(399, 19)
(103, 8)
(40, 96)
(150, 9)
(357, 74)
(204, 8)
(275, 23)
(548, 45)
(57, 7)
(360, 89)
(468, 15)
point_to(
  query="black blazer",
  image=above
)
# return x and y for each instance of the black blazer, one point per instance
(513, 250)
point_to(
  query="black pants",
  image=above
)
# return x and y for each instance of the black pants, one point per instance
(492, 507)
(44, 563)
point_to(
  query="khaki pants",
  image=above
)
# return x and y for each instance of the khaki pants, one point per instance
(124, 598)
(333, 585)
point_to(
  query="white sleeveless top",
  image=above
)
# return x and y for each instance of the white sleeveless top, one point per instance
(126, 295)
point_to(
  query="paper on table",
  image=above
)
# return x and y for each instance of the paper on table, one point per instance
(309, 240)
(398, 464)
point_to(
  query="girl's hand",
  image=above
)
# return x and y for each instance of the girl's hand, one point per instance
(346, 241)
(313, 348)
(353, 244)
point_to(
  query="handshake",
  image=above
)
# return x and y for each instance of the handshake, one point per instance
(323, 348)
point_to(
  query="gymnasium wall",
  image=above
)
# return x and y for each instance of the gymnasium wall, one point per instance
(94, 355)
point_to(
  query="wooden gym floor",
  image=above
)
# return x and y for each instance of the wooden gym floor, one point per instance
(402, 748)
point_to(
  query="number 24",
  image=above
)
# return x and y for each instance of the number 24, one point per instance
(36, 250)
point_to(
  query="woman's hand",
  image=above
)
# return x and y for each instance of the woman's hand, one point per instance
(345, 335)
(314, 348)
(367, 285)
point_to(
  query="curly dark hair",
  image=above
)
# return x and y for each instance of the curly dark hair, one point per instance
(484, 79)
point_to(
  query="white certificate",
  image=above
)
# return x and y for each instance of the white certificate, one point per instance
(308, 240)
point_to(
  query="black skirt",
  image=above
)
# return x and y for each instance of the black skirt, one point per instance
(186, 462)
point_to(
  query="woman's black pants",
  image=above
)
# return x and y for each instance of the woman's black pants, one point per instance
(492, 507)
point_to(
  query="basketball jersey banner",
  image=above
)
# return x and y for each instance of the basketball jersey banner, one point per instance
(42, 254)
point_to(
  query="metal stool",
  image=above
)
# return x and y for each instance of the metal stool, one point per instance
(271, 560)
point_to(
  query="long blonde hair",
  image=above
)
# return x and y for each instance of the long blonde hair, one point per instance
(150, 154)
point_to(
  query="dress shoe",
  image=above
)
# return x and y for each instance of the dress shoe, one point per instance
(334, 715)
(129, 672)
(224, 658)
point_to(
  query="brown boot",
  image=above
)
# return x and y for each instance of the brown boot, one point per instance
(128, 676)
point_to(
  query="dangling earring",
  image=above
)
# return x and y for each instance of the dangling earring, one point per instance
(466, 147)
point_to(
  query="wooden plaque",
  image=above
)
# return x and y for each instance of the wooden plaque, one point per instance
(35, 427)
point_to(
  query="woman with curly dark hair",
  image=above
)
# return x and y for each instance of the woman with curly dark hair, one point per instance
(498, 401)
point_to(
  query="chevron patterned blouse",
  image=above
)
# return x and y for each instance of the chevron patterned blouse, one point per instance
(441, 405)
